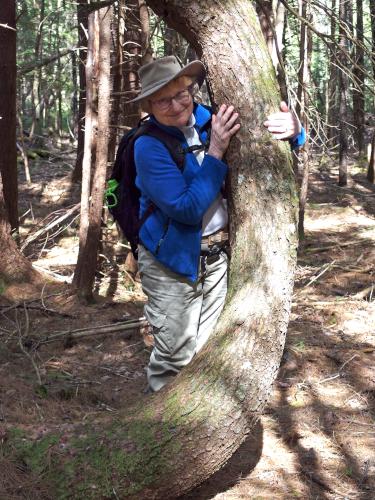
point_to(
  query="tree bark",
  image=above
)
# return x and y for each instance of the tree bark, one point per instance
(343, 95)
(359, 87)
(82, 20)
(132, 58)
(144, 18)
(272, 21)
(332, 85)
(88, 148)
(177, 438)
(371, 163)
(117, 76)
(265, 14)
(59, 115)
(372, 18)
(304, 77)
(8, 151)
(174, 44)
(86, 267)
(36, 99)
(15, 270)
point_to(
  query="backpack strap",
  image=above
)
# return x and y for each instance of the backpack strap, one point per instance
(172, 143)
(176, 150)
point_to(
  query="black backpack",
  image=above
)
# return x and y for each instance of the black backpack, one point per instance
(122, 195)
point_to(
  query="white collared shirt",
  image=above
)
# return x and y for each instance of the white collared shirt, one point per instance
(216, 216)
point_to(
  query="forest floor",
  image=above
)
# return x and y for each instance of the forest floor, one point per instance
(316, 439)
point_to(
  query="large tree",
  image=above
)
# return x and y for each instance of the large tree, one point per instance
(8, 154)
(92, 197)
(16, 272)
(343, 94)
(176, 438)
(18, 279)
(359, 87)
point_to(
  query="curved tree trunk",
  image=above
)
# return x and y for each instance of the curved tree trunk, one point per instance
(177, 438)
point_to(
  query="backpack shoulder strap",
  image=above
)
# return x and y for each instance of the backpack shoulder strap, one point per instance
(172, 143)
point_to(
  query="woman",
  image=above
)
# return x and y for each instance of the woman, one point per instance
(182, 257)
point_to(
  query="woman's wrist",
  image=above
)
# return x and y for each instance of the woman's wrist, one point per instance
(215, 152)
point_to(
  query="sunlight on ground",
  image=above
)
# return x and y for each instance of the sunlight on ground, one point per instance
(339, 219)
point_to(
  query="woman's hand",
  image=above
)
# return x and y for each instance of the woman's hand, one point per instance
(224, 126)
(284, 124)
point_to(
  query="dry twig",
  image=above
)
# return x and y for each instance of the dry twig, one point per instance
(21, 337)
(324, 270)
(50, 226)
(92, 330)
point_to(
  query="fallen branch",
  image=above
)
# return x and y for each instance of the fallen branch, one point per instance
(328, 266)
(58, 277)
(333, 247)
(21, 337)
(338, 374)
(367, 292)
(348, 299)
(50, 226)
(130, 324)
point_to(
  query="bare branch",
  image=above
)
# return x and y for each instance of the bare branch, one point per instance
(331, 43)
(27, 68)
(6, 26)
(50, 226)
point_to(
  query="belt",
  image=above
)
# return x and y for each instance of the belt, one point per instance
(218, 237)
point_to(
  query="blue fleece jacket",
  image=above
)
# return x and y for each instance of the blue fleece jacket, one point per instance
(172, 233)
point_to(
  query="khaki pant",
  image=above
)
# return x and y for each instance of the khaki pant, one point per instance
(182, 314)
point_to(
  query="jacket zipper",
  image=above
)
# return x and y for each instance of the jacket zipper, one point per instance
(162, 236)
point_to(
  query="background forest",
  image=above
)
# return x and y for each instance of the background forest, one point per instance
(323, 54)
(71, 301)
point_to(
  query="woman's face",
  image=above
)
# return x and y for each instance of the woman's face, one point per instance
(172, 106)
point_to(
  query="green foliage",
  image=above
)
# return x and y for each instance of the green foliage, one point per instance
(58, 30)
(33, 454)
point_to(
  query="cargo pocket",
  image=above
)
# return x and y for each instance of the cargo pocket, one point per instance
(162, 335)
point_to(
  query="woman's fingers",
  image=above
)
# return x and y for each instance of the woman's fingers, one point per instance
(224, 126)
(221, 111)
(283, 124)
(231, 121)
(225, 118)
(234, 129)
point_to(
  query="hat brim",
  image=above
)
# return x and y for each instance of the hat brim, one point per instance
(194, 69)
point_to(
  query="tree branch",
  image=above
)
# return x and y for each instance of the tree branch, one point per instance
(6, 26)
(331, 43)
(27, 68)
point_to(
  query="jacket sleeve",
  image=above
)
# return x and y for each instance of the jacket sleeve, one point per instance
(159, 178)
(298, 140)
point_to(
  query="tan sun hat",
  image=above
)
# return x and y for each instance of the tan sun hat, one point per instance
(157, 74)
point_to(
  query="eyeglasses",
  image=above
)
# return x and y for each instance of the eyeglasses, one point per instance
(182, 97)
